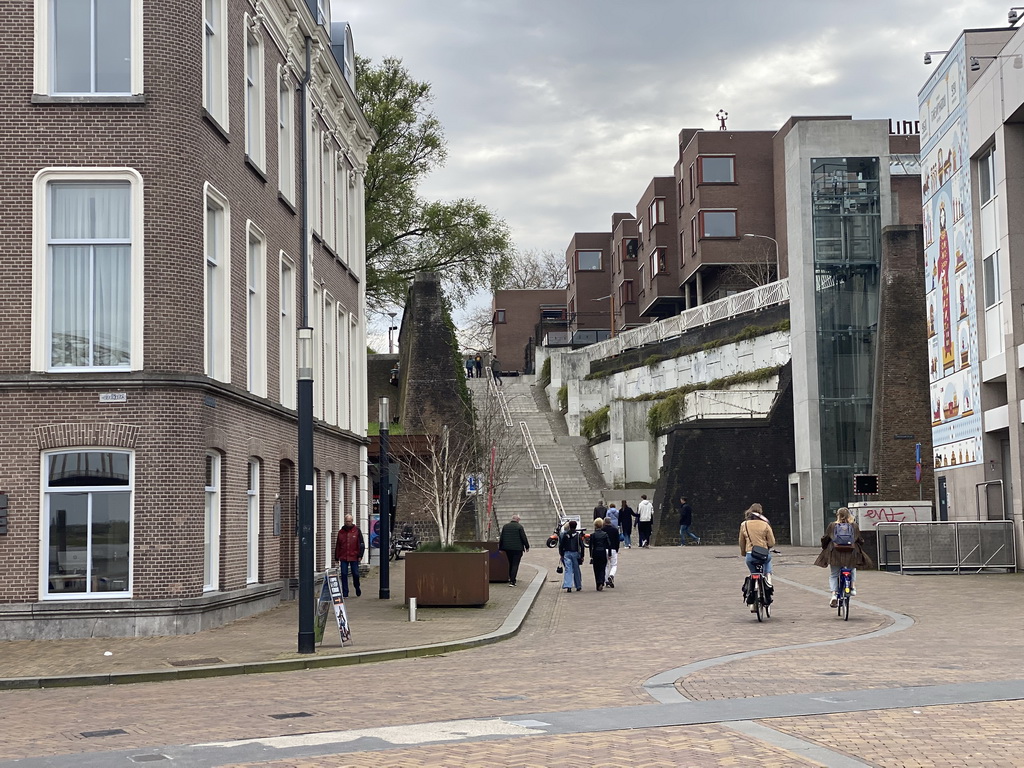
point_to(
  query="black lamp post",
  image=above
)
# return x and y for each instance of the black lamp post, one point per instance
(385, 502)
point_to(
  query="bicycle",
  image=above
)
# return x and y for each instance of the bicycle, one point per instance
(845, 588)
(757, 594)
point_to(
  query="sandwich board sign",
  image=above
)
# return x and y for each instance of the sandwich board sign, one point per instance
(330, 595)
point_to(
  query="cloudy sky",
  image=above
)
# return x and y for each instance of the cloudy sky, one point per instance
(558, 112)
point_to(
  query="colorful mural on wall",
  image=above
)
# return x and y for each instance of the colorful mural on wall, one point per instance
(950, 287)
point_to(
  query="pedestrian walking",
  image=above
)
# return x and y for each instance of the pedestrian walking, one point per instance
(842, 546)
(600, 547)
(348, 551)
(469, 367)
(478, 366)
(612, 514)
(570, 549)
(600, 510)
(496, 370)
(645, 520)
(685, 521)
(626, 518)
(613, 553)
(513, 542)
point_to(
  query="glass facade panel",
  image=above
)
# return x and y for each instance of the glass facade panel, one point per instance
(846, 222)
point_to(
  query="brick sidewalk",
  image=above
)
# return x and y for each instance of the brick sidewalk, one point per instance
(269, 637)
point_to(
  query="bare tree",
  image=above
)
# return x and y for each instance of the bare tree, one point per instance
(437, 475)
(535, 269)
(761, 269)
(475, 328)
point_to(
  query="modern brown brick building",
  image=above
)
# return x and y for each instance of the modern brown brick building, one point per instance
(154, 251)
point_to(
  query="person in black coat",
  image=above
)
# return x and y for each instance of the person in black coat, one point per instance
(513, 543)
(600, 549)
(626, 518)
(613, 553)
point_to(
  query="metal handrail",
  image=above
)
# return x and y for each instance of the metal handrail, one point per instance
(544, 469)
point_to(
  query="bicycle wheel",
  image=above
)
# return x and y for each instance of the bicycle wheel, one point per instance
(764, 601)
(759, 604)
(844, 607)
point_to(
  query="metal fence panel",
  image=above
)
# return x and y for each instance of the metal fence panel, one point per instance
(959, 546)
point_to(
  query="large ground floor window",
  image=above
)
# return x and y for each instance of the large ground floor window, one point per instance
(88, 511)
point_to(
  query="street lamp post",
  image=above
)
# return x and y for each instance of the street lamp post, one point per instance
(307, 640)
(384, 480)
(766, 237)
(391, 327)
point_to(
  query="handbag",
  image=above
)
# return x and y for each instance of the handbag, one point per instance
(559, 569)
(757, 553)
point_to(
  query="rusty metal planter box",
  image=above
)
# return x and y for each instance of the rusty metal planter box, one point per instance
(447, 578)
(497, 559)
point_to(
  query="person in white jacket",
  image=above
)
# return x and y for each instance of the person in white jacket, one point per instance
(645, 511)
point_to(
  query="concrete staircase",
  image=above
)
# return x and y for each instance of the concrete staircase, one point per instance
(568, 458)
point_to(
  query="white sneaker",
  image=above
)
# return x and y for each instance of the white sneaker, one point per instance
(835, 601)
(853, 592)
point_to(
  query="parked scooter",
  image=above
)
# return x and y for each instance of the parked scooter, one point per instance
(406, 541)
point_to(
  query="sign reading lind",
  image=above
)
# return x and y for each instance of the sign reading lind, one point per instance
(113, 397)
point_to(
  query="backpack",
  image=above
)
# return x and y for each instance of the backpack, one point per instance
(842, 537)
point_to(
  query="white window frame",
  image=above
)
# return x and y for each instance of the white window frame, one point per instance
(40, 349)
(44, 528)
(43, 59)
(329, 207)
(341, 207)
(215, 60)
(316, 317)
(344, 371)
(256, 311)
(328, 518)
(285, 134)
(287, 335)
(330, 361)
(252, 538)
(316, 515)
(255, 100)
(216, 287)
(315, 167)
(211, 526)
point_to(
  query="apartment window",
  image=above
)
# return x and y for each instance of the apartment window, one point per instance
(630, 246)
(990, 267)
(286, 333)
(328, 518)
(87, 508)
(626, 293)
(92, 270)
(693, 186)
(215, 60)
(330, 362)
(89, 47)
(211, 524)
(656, 211)
(717, 224)
(316, 517)
(252, 500)
(286, 136)
(693, 235)
(315, 167)
(255, 132)
(317, 322)
(343, 370)
(499, 316)
(340, 208)
(716, 169)
(588, 261)
(256, 314)
(659, 260)
(987, 176)
(217, 287)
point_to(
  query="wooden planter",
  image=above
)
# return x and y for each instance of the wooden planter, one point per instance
(496, 558)
(447, 578)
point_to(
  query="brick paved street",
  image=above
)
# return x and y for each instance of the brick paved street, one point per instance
(581, 651)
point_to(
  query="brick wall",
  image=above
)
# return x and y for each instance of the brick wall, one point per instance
(725, 466)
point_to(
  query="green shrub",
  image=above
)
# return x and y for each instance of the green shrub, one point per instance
(545, 373)
(596, 423)
(563, 397)
(437, 546)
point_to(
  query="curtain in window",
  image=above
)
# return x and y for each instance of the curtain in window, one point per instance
(90, 275)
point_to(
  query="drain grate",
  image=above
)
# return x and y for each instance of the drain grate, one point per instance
(147, 758)
(196, 662)
(508, 698)
(99, 734)
(290, 715)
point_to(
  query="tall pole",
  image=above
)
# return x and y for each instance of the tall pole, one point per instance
(385, 503)
(307, 639)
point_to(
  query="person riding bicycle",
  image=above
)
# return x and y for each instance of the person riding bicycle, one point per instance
(842, 546)
(756, 531)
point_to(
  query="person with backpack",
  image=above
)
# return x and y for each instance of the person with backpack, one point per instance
(570, 549)
(842, 546)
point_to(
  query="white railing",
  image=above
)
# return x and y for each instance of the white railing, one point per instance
(758, 298)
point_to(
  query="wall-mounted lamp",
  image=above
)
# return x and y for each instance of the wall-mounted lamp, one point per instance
(928, 55)
(1013, 17)
(1018, 61)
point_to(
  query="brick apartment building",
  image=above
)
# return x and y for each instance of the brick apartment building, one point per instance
(153, 252)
